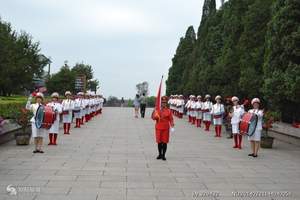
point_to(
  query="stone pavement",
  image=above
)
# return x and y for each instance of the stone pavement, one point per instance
(114, 158)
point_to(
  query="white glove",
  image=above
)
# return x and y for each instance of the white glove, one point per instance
(172, 129)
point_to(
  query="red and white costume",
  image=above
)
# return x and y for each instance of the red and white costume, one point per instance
(236, 117)
(54, 130)
(217, 112)
(207, 107)
(199, 107)
(67, 110)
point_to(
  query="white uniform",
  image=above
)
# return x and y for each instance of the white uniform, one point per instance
(217, 110)
(89, 103)
(94, 105)
(35, 131)
(83, 109)
(77, 108)
(97, 104)
(68, 105)
(193, 109)
(170, 103)
(101, 100)
(57, 107)
(188, 106)
(257, 134)
(180, 105)
(199, 107)
(207, 105)
(236, 118)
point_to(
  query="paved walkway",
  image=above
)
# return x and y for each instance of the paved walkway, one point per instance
(114, 158)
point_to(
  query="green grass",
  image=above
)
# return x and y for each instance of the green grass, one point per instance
(11, 99)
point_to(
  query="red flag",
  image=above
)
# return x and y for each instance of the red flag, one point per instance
(158, 98)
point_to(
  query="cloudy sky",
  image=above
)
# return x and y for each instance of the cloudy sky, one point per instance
(126, 41)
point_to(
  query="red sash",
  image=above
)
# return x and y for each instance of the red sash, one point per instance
(65, 112)
(217, 116)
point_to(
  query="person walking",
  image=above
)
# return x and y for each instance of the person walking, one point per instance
(122, 102)
(164, 122)
(143, 102)
(136, 104)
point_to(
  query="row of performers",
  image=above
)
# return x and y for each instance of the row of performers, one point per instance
(82, 108)
(199, 111)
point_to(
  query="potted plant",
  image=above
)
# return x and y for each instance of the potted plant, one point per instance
(269, 118)
(22, 117)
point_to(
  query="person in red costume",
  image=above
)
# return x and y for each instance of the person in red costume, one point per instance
(164, 121)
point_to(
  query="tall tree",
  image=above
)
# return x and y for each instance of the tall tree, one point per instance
(19, 60)
(180, 62)
(282, 64)
(62, 81)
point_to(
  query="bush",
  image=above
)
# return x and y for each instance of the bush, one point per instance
(151, 101)
(7, 109)
(130, 103)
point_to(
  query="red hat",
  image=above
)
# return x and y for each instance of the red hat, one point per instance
(164, 98)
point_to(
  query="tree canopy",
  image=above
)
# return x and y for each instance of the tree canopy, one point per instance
(246, 48)
(20, 60)
(65, 78)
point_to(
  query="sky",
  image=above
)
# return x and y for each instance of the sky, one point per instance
(126, 41)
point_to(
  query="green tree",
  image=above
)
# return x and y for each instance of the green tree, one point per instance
(282, 59)
(181, 63)
(93, 85)
(19, 60)
(62, 81)
(83, 69)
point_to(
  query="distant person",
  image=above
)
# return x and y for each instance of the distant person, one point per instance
(136, 103)
(122, 102)
(143, 102)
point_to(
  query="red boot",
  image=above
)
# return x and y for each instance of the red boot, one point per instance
(65, 128)
(220, 130)
(197, 122)
(50, 139)
(217, 131)
(77, 123)
(240, 137)
(235, 138)
(54, 139)
(208, 125)
(68, 128)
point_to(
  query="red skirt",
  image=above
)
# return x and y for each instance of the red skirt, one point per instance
(162, 135)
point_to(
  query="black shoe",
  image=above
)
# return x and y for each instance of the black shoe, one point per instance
(159, 157)
(40, 151)
(254, 156)
(163, 158)
(251, 154)
(35, 151)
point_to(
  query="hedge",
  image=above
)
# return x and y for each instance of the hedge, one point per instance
(7, 109)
